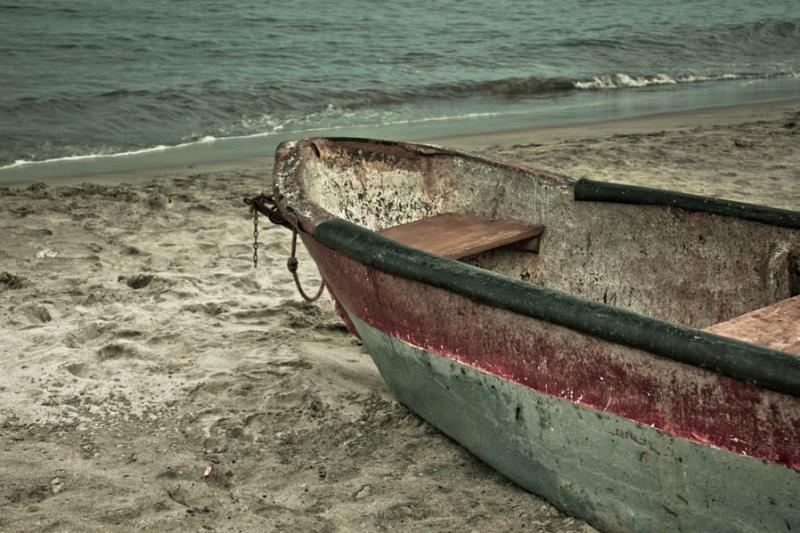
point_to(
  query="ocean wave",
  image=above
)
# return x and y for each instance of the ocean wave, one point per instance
(269, 103)
(82, 157)
(502, 88)
(301, 126)
(622, 81)
(511, 88)
(625, 81)
(178, 116)
(102, 154)
(213, 102)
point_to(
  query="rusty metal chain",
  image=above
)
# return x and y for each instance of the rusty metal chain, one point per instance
(255, 238)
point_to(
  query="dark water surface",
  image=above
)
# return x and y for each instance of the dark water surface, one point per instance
(84, 77)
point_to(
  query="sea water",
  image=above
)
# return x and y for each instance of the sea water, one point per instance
(81, 78)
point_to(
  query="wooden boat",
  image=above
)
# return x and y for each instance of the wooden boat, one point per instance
(629, 354)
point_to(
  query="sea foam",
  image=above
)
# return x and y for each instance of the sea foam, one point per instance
(621, 81)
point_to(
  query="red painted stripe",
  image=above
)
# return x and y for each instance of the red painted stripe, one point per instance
(676, 398)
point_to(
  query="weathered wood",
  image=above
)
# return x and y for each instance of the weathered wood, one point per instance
(456, 236)
(776, 326)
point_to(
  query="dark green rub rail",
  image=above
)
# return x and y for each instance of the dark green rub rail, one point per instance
(600, 191)
(771, 369)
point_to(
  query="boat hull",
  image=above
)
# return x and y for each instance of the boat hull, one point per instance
(616, 474)
(570, 444)
(582, 372)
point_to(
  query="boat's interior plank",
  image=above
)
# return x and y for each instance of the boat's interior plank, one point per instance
(456, 236)
(776, 326)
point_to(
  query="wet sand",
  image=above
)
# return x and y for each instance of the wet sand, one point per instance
(152, 379)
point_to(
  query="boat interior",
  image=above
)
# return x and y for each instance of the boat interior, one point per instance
(734, 277)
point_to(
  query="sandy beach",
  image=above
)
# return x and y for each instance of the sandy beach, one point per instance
(152, 379)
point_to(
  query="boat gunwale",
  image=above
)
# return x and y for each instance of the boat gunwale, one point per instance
(601, 191)
(750, 363)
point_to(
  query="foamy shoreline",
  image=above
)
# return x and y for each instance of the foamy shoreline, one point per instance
(152, 379)
(642, 111)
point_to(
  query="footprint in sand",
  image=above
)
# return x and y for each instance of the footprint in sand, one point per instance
(120, 350)
(87, 333)
(139, 281)
(208, 308)
(79, 370)
(36, 313)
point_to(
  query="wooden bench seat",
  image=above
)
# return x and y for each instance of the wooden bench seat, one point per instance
(776, 326)
(457, 236)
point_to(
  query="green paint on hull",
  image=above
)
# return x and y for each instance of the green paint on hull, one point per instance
(608, 470)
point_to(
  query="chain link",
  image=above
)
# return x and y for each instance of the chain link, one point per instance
(255, 238)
